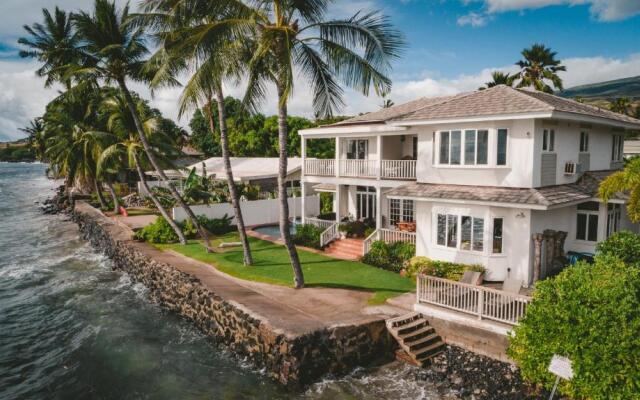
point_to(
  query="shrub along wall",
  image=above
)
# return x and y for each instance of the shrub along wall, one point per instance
(289, 359)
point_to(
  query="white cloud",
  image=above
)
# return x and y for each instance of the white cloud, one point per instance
(473, 19)
(603, 10)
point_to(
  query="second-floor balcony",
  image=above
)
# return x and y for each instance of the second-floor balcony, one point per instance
(372, 169)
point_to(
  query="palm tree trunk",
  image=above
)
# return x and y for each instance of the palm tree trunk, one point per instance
(233, 190)
(98, 188)
(156, 166)
(282, 190)
(157, 203)
(114, 196)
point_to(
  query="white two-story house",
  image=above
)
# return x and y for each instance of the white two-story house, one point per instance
(488, 177)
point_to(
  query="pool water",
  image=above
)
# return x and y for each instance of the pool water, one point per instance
(273, 230)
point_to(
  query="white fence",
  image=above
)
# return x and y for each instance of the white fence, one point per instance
(484, 302)
(256, 212)
(388, 236)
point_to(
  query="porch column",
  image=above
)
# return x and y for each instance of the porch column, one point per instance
(337, 171)
(378, 205)
(338, 202)
(303, 189)
(303, 155)
(379, 155)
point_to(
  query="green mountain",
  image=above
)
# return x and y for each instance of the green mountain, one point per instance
(627, 87)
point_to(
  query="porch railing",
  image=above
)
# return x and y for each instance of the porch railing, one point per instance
(399, 169)
(320, 167)
(320, 223)
(388, 236)
(329, 234)
(485, 303)
(359, 168)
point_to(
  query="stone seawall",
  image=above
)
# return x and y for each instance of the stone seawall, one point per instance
(289, 359)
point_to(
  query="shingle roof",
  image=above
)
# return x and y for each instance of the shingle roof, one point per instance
(498, 100)
(584, 189)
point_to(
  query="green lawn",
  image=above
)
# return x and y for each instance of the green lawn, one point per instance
(271, 265)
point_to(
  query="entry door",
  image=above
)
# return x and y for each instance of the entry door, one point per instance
(366, 202)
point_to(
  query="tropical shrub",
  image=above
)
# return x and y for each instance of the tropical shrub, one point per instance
(624, 245)
(307, 235)
(356, 228)
(164, 197)
(441, 269)
(389, 256)
(217, 226)
(329, 216)
(589, 313)
(158, 232)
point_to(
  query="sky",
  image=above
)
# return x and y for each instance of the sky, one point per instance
(452, 46)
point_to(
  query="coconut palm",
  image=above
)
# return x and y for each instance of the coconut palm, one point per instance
(128, 152)
(192, 40)
(387, 103)
(621, 105)
(115, 51)
(53, 43)
(626, 180)
(35, 132)
(294, 35)
(539, 65)
(499, 78)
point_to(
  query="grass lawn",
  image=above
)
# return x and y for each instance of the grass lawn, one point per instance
(271, 265)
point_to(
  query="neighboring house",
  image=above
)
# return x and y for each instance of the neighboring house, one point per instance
(483, 175)
(260, 171)
(631, 148)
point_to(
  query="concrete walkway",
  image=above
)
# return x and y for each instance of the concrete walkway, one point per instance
(287, 310)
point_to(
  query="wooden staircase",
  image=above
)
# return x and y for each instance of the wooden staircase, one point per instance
(418, 340)
(346, 249)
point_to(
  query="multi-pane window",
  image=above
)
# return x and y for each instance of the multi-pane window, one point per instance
(357, 149)
(617, 148)
(614, 214)
(497, 235)
(587, 221)
(471, 232)
(584, 142)
(470, 148)
(501, 153)
(401, 211)
(548, 140)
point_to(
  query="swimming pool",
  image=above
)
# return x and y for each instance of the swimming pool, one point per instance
(273, 230)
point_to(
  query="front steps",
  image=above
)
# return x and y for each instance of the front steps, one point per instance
(346, 249)
(418, 340)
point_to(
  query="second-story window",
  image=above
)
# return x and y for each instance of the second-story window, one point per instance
(476, 144)
(587, 221)
(584, 142)
(501, 153)
(450, 147)
(548, 140)
(617, 148)
(357, 149)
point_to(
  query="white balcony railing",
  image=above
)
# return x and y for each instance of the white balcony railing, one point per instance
(359, 168)
(399, 169)
(320, 167)
(484, 302)
(388, 169)
(320, 223)
(388, 236)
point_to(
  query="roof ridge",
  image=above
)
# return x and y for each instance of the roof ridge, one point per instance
(446, 99)
(525, 93)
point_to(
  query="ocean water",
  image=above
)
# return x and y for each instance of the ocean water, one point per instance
(71, 328)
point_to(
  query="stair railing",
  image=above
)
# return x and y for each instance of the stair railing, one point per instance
(329, 235)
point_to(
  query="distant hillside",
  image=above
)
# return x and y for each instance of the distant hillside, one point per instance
(627, 87)
(17, 151)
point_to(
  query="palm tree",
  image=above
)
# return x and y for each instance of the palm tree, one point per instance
(35, 132)
(387, 103)
(115, 51)
(499, 78)
(188, 44)
(128, 151)
(621, 105)
(627, 180)
(539, 65)
(294, 35)
(53, 43)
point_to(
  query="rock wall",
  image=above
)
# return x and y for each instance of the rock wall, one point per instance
(289, 360)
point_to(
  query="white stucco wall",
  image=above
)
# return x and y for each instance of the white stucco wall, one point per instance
(515, 259)
(517, 172)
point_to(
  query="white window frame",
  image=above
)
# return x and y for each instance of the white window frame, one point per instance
(458, 246)
(506, 150)
(583, 146)
(492, 148)
(589, 214)
(402, 207)
(548, 140)
(493, 222)
(366, 149)
(614, 218)
(463, 147)
(617, 149)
